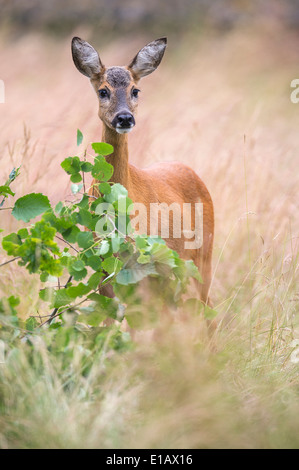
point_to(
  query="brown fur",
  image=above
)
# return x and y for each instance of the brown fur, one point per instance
(166, 182)
(161, 183)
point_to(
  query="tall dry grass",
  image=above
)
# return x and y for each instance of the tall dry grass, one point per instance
(222, 105)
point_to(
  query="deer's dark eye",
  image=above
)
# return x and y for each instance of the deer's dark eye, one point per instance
(103, 93)
(135, 92)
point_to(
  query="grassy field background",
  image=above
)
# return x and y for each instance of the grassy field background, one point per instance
(219, 102)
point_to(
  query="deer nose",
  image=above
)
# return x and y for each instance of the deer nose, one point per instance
(125, 120)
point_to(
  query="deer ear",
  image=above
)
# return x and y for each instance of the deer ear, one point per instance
(148, 58)
(86, 58)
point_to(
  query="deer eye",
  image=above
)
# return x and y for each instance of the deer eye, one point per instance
(135, 92)
(103, 93)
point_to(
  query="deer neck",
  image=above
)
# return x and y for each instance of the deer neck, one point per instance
(119, 159)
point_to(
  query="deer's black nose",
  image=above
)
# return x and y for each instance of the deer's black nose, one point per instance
(124, 120)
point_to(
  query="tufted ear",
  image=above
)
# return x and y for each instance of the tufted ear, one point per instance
(86, 58)
(148, 58)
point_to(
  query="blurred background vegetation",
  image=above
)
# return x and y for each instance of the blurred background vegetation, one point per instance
(115, 17)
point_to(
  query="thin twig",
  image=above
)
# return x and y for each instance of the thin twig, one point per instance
(39, 316)
(62, 311)
(115, 229)
(10, 261)
(63, 240)
(53, 314)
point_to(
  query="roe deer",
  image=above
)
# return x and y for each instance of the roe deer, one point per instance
(168, 183)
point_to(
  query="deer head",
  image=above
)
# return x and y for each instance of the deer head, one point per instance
(116, 87)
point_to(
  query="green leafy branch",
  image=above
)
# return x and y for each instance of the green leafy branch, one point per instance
(86, 261)
(5, 189)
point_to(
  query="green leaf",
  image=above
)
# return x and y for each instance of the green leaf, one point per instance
(104, 304)
(104, 247)
(70, 235)
(75, 188)
(112, 265)
(135, 274)
(79, 137)
(95, 203)
(31, 323)
(5, 190)
(47, 294)
(86, 167)
(117, 191)
(101, 148)
(98, 310)
(85, 240)
(71, 165)
(78, 265)
(91, 316)
(84, 203)
(105, 188)
(11, 244)
(61, 298)
(78, 291)
(77, 275)
(23, 233)
(30, 206)
(116, 243)
(141, 242)
(84, 218)
(144, 259)
(162, 254)
(192, 271)
(94, 280)
(76, 178)
(13, 301)
(94, 262)
(209, 313)
(44, 277)
(58, 207)
(102, 170)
